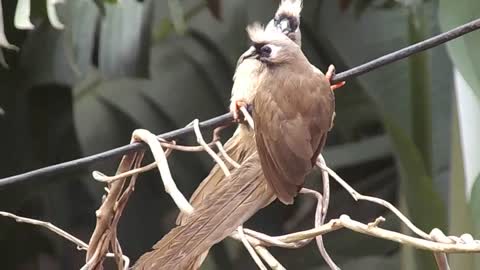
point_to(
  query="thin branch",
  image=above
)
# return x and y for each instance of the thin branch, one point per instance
(357, 196)
(250, 249)
(162, 163)
(99, 176)
(247, 117)
(227, 118)
(319, 220)
(209, 150)
(49, 226)
(268, 258)
(226, 156)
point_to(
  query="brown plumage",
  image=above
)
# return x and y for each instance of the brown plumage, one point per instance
(219, 214)
(242, 144)
(293, 113)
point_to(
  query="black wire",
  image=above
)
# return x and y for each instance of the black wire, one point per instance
(228, 118)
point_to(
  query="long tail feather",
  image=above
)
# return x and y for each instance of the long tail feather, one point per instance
(220, 213)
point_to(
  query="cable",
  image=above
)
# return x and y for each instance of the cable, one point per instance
(228, 118)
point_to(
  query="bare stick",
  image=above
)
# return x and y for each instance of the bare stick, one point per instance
(440, 258)
(319, 216)
(357, 196)
(209, 150)
(160, 158)
(226, 156)
(99, 176)
(100, 239)
(250, 249)
(408, 240)
(49, 226)
(267, 240)
(268, 258)
(247, 117)
(346, 222)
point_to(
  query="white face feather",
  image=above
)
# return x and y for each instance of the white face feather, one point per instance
(275, 50)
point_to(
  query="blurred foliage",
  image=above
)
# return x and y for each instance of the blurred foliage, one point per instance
(465, 192)
(121, 65)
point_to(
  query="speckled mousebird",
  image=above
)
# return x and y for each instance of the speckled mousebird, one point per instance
(241, 144)
(293, 111)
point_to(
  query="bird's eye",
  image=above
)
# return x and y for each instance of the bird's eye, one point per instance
(265, 50)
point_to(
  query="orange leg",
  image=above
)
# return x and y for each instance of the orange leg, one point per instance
(329, 75)
(235, 108)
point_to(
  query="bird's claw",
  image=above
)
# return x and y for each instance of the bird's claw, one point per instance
(329, 75)
(235, 108)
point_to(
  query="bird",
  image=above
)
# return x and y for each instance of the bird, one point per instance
(286, 21)
(293, 111)
(294, 108)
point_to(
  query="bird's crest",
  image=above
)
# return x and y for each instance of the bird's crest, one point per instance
(258, 34)
(289, 8)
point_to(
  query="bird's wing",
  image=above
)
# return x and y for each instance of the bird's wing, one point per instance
(292, 117)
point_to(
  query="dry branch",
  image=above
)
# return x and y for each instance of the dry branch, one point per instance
(104, 236)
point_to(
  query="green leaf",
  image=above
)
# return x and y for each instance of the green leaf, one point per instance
(351, 154)
(215, 7)
(466, 160)
(420, 87)
(475, 206)
(464, 50)
(125, 39)
(475, 214)
(54, 67)
(177, 15)
(3, 62)
(361, 6)
(83, 18)
(460, 220)
(100, 5)
(418, 183)
(380, 32)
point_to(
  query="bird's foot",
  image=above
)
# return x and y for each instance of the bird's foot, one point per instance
(330, 73)
(235, 108)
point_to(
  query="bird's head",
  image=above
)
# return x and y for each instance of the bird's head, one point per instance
(271, 47)
(287, 20)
